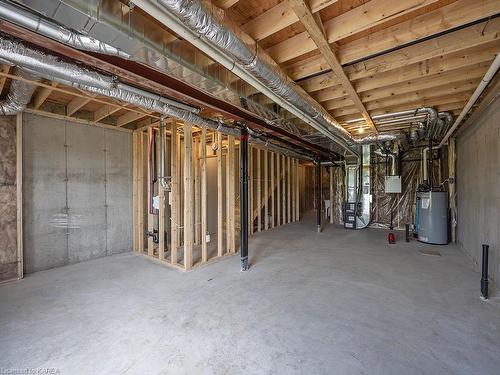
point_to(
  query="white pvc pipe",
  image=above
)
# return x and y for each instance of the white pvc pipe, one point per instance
(480, 88)
(425, 151)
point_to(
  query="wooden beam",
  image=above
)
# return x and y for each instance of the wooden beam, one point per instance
(19, 195)
(129, 117)
(225, 4)
(174, 194)
(76, 103)
(203, 168)
(277, 18)
(188, 192)
(364, 17)
(105, 111)
(273, 219)
(316, 33)
(457, 13)
(42, 94)
(220, 209)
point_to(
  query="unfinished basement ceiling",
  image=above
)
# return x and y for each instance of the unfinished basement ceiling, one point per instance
(441, 51)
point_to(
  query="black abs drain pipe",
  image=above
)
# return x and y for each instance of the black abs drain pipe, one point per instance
(484, 276)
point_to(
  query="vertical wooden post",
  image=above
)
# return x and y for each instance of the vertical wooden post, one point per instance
(161, 197)
(259, 192)
(230, 174)
(297, 191)
(135, 177)
(203, 167)
(220, 211)
(196, 178)
(140, 191)
(150, 194)
(188, 192)
(331, 195)
(284, 200)
(174, 194)
(272, 189)
(19, 194)
(266, 191)
(278, 190)
(289, 185)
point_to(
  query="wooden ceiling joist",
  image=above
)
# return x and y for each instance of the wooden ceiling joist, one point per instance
(76, 104)
(314, 29)
(129, 117)
(105, 111)
(456, 14)
(354, 21)
(42, 94)
(3, 69)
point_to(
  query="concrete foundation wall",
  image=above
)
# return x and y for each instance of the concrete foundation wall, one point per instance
(77, 190)
(478, 188)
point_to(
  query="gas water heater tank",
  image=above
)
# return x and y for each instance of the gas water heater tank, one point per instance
(433, 217)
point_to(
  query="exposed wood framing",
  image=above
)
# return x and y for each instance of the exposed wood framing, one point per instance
(174, 194)
(273, 219)
(42, 94)
(259, 192)
(266, 191)
(150, 194)
(331, 195)
(230, 194)
(203, 168)
(197, 187)
(4, 70)
(105, 111)
(19, 194)
(316, 33)
(279, 172)
(76, 104)
(220, 207)
(288, 194)
(188, 192)
(285, 199)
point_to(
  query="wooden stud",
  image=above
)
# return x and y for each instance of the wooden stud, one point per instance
(259, 193)
(140, 191)
(220, 207)
(19, 194)
(196, 173)
(284, 200)
(135, 179)
(278, 190)
(292, 196)
(161, 211)
(331, 195)
(297, 192)
(150, 194)
(203, 167)
(272, 189)
(289, 195)
(231, 229)
(266, 191)
(188, 192)
(174, 194)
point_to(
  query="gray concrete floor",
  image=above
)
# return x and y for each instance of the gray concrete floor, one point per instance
(339, 302)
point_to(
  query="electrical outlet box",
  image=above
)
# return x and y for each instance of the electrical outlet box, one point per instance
(207, 238)
(393, 184)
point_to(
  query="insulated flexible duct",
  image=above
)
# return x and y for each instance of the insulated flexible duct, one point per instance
(67, 73)
(27, 19)
(19, 95)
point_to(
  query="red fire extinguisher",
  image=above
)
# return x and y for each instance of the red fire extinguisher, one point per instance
(391, 238)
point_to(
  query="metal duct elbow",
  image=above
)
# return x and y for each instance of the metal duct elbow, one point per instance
(448, 119)
(19, 95)
(20, 16)
(370, 139)
(432, 119)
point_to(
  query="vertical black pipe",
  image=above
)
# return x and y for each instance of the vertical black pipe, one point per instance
(244, 198)
(318, 195)
(484, 273)
(407, 228)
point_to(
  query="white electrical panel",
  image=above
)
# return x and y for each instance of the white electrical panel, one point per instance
(392, 184)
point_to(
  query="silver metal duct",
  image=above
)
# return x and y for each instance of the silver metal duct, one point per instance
(51, 66)
(125, 93)
(19, 95)
(208, 24)
(27, 19)
(370, 139)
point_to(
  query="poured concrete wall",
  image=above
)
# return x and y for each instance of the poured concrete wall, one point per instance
(8, 196)
(478, 188)
(77, 190)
